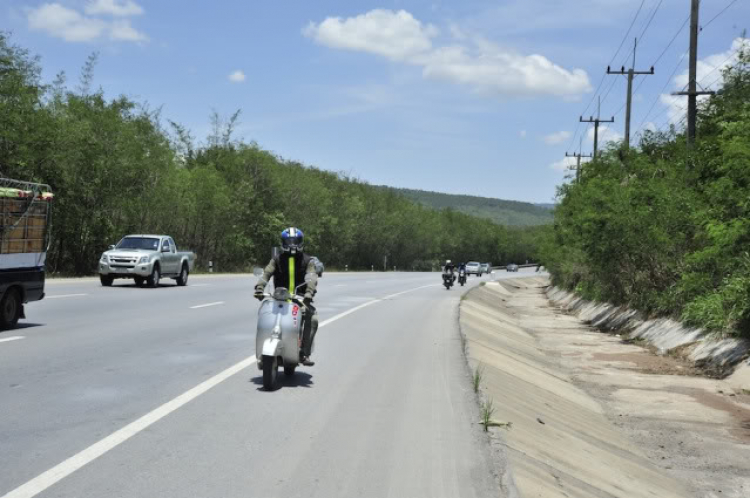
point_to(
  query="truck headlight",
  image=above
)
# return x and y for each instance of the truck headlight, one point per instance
(103, 259)
(143, 260)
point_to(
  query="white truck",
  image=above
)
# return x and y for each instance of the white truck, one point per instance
(146, 259)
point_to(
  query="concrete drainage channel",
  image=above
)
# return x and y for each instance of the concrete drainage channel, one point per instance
(581, 413)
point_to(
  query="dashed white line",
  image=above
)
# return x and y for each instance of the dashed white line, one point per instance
(63, 296)
(12, 338)
(86, 456)
(217, 303)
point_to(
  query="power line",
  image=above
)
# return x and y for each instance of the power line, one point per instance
(672, 41)
(643, 31)
(717, 15)
(596, 92)
(666, 84)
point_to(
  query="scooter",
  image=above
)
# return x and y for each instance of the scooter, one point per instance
(278, 340)
(462, 277)
(448, 280)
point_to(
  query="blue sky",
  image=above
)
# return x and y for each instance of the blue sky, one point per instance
(475, 97)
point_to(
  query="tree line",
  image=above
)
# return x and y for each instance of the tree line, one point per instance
(117, 167)
(664, 228)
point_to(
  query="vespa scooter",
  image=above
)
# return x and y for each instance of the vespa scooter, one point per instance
(278, 340)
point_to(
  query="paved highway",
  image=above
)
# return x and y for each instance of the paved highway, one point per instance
(131, 392)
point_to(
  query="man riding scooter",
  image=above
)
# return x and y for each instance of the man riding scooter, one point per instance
(293, 269)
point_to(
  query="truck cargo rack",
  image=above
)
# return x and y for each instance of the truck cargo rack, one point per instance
(24, 219)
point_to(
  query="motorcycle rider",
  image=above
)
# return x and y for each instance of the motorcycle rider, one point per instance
(292, 268)
(450, 268)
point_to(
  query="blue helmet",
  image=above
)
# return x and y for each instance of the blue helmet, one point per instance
(292, 239)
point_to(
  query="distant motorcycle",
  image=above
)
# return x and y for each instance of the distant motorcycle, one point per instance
(448, 279)
(462, 277)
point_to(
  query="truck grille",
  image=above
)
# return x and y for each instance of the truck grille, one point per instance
(122, 262)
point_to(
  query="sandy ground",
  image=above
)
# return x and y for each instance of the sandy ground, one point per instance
(594, 415)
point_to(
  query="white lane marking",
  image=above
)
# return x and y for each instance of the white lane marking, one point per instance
(341, 285)
(63, 296)
(88, 455)
(206, 305)
(369, 303)
(201, 285)
(12, 338)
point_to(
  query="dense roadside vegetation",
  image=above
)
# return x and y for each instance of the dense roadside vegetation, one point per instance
(509, 213)
(664, 229)
(116, 167)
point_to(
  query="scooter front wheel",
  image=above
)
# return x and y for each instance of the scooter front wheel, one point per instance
(270, 372)
(289, 370)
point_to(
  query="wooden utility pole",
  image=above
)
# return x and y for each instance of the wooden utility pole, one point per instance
(596, 126)
(692, 92)
(578, 163)
(631, 74)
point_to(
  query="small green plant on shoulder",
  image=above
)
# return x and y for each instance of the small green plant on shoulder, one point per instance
(478, 376)
(488, 410)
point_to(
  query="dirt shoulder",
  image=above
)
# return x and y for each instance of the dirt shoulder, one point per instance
(593, 415)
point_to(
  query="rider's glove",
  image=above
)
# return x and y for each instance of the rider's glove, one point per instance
(258, 294)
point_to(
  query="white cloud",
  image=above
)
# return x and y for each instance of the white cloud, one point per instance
(606, 134)
(556, 138)
(237, 77)
(522, 133)
(483, 66)
(564, 164)
(395, 35)
(490, 69)
(114, 8)
(709, 75)
(123, 31)
(70, 25)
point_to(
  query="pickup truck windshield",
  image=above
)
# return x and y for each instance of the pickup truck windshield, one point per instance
(148, 243)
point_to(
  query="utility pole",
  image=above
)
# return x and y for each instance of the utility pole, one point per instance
(693, 92)
(578, 163)
(631, 74)
(596, 125)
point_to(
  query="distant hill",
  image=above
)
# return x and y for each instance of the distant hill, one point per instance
(509, 213)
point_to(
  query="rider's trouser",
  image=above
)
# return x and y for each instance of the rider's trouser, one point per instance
(309, 330)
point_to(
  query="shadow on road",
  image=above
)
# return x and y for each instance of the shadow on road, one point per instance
(20, 326)
(299, 379)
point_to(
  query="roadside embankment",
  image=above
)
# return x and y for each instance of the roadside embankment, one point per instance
(592, 415)
(724, 358)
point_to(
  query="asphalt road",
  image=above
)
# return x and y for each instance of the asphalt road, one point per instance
(132, 392)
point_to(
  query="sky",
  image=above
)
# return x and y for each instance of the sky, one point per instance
(463, 96)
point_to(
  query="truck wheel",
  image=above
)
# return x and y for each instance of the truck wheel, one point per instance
(10, 309)
(153, 280)
(106, 280)
(183, 278)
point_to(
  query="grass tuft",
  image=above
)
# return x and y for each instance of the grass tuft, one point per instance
(478, 376)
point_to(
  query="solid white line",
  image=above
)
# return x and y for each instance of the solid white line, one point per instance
(62, 296)
(12, 338)
(67, 467)
(201, 285)
(206, 305)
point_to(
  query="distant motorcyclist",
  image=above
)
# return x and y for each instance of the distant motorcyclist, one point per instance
(293, 268)
(450, 268)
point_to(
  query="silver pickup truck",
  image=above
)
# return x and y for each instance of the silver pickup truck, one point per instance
(146, 259)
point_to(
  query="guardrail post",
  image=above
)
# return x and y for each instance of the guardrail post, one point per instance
(210, 267)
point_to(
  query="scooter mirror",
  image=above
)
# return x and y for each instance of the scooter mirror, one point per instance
(257, 271)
